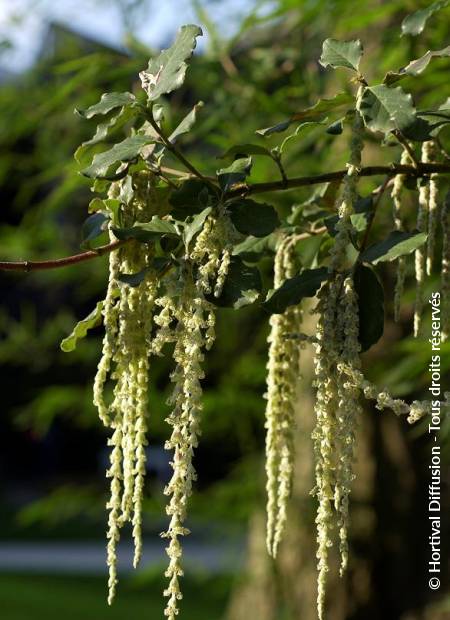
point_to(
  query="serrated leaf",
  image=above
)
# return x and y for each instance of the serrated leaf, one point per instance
(370, 305)
(398, 243)
(133, 279)
(293, 290)
(302, 130)
(242, 285)
(341, 54)
(193, 227)
(82, 327)
(278, 128)
(236, 173)
(253, 218)
(124, 151)
(415, 67)
(167, 71)
(108, 102)
(147, 232)
(385, 109)
(246, 149)
(186, 124)
(415, 23)
(93, 227)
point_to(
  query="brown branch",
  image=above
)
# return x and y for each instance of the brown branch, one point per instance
(255, 188)
(34, 265)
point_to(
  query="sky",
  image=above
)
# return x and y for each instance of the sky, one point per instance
(24, 22)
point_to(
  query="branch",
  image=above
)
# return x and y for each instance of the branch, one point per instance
(255, 188)
(39, 265)
(368, 171)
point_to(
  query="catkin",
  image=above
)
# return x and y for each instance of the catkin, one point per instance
(127, 316)
(422, 224)
(282, 378)
(396, 195)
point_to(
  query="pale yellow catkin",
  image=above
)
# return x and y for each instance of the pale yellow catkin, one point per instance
(396, 195)
(433, 213)
(422, 225)
(282, 379)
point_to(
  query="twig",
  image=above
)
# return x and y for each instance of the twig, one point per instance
(35, 265)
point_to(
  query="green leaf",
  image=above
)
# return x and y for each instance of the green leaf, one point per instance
(104, 130)
(82, 327)
(385, 109)
(186, 124)
(191, 197)
(242, 285)
(124, 151)
(314, 113)
(167, 71)
(133, 279)
(193, 227)
(415, 67)
(252, 248)
(108, 102)
(415, 23)
(243, 150)
(93, 227)
(398, 243)
(236, 173)
(253, 218)
(341, 54)
(336, 128)
(370, 305)
(293, 290)
(147, 232)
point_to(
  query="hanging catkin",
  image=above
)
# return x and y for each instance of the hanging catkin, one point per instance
(433, 213)
(127, 313)
(422, 225)
(336, 401)
(396, 194)
(282, 378)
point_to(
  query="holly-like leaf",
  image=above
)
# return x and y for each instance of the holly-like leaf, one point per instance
(398, 243)
(341, 54)
(93, 227)
(253, 218)
(193, 227)
(186, 124)
(242, 285)
(236, 173)
(415, 67)
(370, 305)
(108, 102)
(124, 151)
(82, 327)
(415, 23)
(293, 290)
(147, 232)
(385, 109)
(246, 149)
(167, 71)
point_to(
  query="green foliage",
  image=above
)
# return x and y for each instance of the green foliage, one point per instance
(82, 327)
(293, 290)
(398, 243)
(341, 54)
(371, 305)
(242, 286)
(386, 109)
(415, 23)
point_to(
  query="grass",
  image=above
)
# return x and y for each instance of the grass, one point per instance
(57, 597)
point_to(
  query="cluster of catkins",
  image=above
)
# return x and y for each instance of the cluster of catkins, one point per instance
(430, 211)
(139, 320)
(339, 380)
